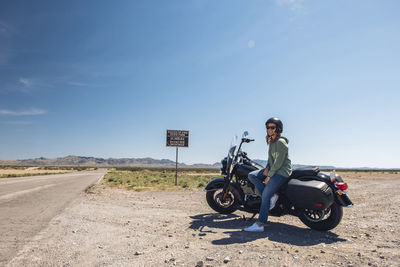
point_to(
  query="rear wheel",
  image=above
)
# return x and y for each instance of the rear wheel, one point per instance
(217, 203)
(322, 220)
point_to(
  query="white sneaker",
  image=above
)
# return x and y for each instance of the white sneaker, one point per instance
(274, 198)
(254, 228)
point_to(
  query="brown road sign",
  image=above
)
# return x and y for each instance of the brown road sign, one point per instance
(178, 138)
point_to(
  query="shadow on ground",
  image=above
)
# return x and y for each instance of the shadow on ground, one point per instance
(278, 232)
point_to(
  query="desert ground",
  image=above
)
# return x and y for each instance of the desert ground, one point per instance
(117, 227)
(31, 171)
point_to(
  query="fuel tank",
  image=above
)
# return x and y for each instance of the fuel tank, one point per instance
(243, 171)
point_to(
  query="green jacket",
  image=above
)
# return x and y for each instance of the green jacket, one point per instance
(278, 158)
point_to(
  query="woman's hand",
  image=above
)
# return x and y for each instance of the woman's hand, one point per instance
(265, 173)
(267, 180)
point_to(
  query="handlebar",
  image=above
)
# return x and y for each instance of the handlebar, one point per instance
(244, 140)
(244, 155)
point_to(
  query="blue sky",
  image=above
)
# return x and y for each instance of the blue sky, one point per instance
(107, 78)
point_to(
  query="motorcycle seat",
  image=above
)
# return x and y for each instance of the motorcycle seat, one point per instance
(300, 172)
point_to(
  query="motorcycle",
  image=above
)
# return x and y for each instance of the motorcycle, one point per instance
(316, 198)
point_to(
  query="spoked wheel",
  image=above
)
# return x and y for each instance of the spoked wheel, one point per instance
(322, 220)
(216, 200)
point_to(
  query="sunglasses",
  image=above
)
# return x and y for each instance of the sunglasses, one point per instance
(271, 127)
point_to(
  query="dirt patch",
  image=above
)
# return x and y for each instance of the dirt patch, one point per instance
(216, 174)
(31, 171)
(113, 227)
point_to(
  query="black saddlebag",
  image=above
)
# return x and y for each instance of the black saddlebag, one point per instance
(315, 195)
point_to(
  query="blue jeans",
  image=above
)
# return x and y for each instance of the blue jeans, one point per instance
(266, 191)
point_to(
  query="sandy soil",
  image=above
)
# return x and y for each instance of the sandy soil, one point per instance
(30, 171)
(216, 174)
(113, 227)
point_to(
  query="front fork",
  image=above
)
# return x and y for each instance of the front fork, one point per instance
(225, 189)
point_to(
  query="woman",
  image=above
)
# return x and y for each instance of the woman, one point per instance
(267, 181)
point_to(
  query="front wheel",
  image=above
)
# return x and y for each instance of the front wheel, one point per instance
(322, 220)
(216, 202)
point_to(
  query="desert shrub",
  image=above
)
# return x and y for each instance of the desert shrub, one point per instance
(148, 179)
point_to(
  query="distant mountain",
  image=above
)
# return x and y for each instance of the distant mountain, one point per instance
(297, 166)
(100, 162)
(139, 162)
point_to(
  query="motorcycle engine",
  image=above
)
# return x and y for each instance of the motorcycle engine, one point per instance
(247, 189)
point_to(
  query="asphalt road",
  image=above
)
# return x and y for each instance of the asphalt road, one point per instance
(27, 204)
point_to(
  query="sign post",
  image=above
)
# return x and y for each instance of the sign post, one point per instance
(176, 167)
(177, 138)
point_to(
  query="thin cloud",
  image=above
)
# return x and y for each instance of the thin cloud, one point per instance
(296, 6)
(286, 2)
(251, 43)
(4, 28)
(77, 84)
(28, 112)
(25, 82)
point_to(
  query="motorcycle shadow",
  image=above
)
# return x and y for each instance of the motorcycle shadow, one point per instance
(274, 231)
(206, 222)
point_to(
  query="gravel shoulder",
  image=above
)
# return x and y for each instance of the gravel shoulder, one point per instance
(114, 227)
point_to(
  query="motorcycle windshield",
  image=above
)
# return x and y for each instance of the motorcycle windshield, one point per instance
(231, 153)
(232, 147)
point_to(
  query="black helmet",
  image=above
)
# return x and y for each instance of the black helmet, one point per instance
(278, 123)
